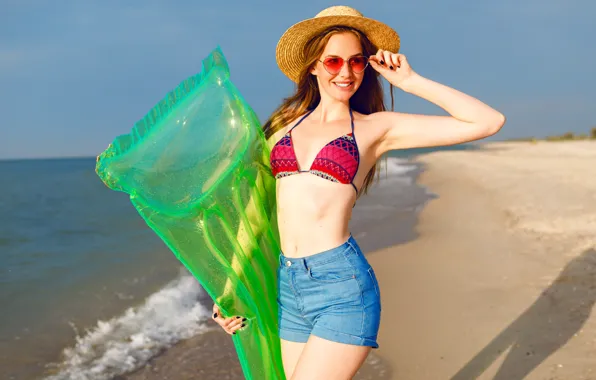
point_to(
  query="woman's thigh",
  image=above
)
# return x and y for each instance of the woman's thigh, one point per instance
(327, 360)
(290, 353)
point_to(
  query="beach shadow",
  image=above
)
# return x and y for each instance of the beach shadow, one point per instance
(549, 323)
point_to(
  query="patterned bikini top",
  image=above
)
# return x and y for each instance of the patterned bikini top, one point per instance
(337, 161)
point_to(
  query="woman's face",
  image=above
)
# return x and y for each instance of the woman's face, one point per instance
(343, 85)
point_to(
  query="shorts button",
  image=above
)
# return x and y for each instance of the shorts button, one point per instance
(288, 263)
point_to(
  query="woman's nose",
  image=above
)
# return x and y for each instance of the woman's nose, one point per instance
(346, 70)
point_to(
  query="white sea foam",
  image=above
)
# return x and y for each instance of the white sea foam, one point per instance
(396, 191)
(396, 169)
(127, 342)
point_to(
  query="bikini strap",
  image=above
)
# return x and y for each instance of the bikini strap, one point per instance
(300, 121)
(352, 121)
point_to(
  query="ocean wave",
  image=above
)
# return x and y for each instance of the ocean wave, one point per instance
(126, 342)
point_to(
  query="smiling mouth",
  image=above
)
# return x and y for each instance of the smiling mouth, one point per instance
(343, 85)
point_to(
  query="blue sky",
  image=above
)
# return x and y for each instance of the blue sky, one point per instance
(74, 74)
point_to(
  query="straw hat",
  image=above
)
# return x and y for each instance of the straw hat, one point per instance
(290, 48)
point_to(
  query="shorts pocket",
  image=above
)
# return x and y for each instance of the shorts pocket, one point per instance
(373, 278)
(331, 273)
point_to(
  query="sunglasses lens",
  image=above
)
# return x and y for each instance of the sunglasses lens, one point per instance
(333, 64)
(358, 64)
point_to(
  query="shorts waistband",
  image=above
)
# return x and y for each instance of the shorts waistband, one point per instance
(317, 258)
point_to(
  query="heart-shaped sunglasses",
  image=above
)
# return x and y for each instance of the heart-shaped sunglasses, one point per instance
(333, 65)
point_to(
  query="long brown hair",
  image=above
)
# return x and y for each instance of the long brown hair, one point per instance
(367, 99)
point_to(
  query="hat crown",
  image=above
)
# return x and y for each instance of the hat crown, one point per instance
(339, 10)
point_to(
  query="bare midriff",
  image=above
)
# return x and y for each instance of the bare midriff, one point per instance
(313, 214)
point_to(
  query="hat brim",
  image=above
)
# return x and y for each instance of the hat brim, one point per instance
(289, 52)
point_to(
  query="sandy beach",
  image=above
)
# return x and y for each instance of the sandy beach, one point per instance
(501, 281)
(212, 356)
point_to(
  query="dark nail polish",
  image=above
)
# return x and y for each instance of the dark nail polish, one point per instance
(391, 67)
(243, 319)
(234, 333)
(237, 317)
(382, 62)
(242, 325)
(214, 315)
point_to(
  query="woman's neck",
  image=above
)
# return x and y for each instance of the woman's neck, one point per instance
(326, 112)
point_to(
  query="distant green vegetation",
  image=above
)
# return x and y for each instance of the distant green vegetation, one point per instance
(569, 136)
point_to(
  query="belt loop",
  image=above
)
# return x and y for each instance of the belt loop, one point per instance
(352, 247)
(304, 264)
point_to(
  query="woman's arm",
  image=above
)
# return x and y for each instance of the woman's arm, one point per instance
(470, 118)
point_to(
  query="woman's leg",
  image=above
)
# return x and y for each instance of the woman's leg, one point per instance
(326, 360)
(290, 353)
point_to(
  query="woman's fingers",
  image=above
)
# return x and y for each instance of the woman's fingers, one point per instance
(403, 61)
(388, 60)
(380, 58)
(385, 59)
(376, 63)
(395, 61)
(236, 325)
(231, 324)
(219, 319)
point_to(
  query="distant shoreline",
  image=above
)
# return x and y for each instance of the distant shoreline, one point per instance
(47, 158)
(569, 136)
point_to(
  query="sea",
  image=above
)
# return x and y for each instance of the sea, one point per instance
(88, 291)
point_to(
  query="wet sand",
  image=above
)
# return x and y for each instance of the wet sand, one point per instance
(212, 356)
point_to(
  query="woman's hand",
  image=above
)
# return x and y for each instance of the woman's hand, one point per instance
(230, 325)
(393, 67)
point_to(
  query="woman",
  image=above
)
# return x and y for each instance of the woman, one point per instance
(326, 140)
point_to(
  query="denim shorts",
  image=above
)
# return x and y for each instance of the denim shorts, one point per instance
(333, 294)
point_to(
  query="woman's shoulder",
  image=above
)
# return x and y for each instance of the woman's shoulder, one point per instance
(287, 126)
(369, 127)
(367, 121)
(277, 135)
(368, 117)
